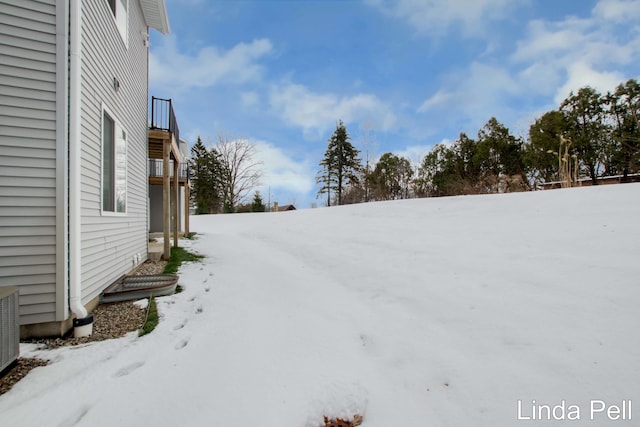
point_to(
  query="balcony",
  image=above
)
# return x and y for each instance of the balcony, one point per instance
(155, 169)
(163, 117)
(167, 168)
(163, 128)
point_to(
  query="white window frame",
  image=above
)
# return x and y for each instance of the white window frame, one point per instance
(121, 183)
(121, 18)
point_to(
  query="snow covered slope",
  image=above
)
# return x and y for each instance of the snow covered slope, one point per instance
(436, 312)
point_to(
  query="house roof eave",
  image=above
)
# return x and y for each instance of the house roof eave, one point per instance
(155, 14)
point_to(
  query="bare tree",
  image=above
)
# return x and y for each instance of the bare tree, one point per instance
(241, 171)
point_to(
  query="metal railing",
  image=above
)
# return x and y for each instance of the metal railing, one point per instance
(163, 117)
(155, 169)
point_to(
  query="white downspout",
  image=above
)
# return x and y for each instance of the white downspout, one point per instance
(75, 147)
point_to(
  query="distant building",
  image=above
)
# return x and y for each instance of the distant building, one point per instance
(586, 182)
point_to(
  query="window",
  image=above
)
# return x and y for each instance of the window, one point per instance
(114, 165)
(119, 10)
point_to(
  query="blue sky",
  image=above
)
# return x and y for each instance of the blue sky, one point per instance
(413, 73)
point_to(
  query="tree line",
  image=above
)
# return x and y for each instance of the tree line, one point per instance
(223, 175)
(589, 136)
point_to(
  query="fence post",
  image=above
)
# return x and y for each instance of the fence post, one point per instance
(153, 117)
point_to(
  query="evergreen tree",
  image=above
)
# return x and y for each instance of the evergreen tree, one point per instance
(438, 174)
(624, 112)
(391, 178)
(227, 207)
(542, 153)
(589, 134)
(499, 158)
(467, 166)
(460, 169)
(584, 112)
(205, 170)
(258, 205)
(340, 165)
(493, 163)
(326, 177)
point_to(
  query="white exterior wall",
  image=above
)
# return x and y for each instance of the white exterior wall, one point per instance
(29, 155)
(34, 144)
(111, 241)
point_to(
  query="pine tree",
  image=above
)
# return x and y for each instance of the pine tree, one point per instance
(227, 207)
(258, 205)
(584, 112)
(624, 112)
(205, 178)
(326, 177)
(391, 178)
(340, 165)
(542, 152)
(498, 156)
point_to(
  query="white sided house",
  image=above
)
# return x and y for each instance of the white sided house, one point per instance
(73, 152)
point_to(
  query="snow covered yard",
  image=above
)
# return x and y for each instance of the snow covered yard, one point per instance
(431, 312)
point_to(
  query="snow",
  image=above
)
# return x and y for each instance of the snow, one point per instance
(142, 303)
(431, 312)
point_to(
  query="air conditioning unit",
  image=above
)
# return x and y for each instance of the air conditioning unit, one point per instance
(9, 327)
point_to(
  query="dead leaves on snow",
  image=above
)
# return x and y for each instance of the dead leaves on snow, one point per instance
(339, 422)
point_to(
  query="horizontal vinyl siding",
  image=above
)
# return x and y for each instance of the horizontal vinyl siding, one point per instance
(13, 261)
(109, 242)
(36, 313)
(28, 155)
(28, 280)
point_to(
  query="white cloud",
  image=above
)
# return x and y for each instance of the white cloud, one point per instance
(547, 39)
(282, 172)
(191, 135)
(208, 66)
(551, 60)
(437, 16)
(581, 74)
(559, 44)
(440, 98)
(249, 99)
(415, 153)
(476, 93)
(572, 53)
(316, 112)
(617, 10)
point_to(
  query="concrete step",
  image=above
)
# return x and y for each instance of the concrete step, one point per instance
(156, 250)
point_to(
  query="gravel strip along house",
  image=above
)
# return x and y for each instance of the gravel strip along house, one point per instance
(73, 152)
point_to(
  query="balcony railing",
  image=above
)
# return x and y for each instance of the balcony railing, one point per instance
(163, 116)
(155, 169)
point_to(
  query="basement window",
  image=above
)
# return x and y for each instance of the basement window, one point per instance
(114, 165)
